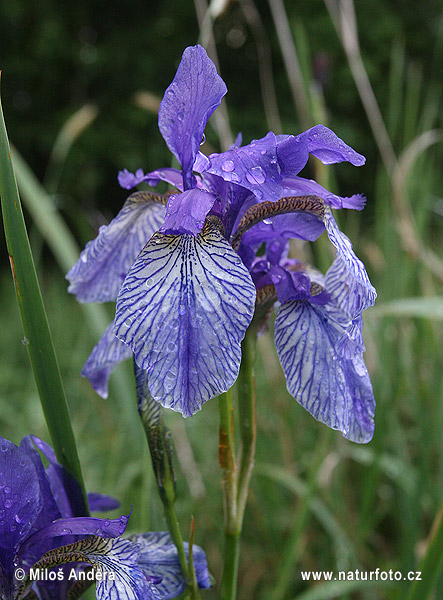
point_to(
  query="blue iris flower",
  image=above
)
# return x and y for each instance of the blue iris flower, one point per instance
(40, 511)
(186, 277)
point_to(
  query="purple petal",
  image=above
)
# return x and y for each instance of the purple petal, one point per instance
(20, 500)
(254, 167)
(334, 390)
(201, 163)
(183, 310)
(290, 285)
(186, 212)
(325, 145)
(102, 502)
(49, 511)
(76, 526)
(105, 356)
(363, 293)
(65, 489)
(231, 200)
(281, 228)
(172, 176)
(298, 186)
(189, 101)
(292, 153)
(159, 558)
(104, 263)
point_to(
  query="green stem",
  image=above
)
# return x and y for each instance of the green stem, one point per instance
(35, 324)
(248, 427)
(231, 555)
(226, 457)
(161, 450)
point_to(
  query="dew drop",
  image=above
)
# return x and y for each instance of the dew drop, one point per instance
(8, 503)
(7, 490)
(181, 115)
(128, 322)
(203, 140)
(25, 341)
(171, 346)
(227, 166)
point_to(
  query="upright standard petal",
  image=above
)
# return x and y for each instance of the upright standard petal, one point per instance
(186, 212)
(335, 390)
(159, 558)
(105, 356)
(65, 488)
(183, 310)
(104, 263)
(189, 101)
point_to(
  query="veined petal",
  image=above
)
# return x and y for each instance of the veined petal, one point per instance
(104, 263)
(189, 101)
(121, 577)
(159, 558)
(334, 390)
(298, 186)
(255, 167)
(19, 500)
(363, 293)
(128, 180)
(186, 212)
(183, 310)
(105, 356)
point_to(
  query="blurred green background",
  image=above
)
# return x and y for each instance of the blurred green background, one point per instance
(80, 89)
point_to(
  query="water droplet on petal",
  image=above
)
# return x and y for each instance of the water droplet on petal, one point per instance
(203, 140)
(227, 166)
(181, 115)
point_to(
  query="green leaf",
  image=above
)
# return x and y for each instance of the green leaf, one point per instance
(35, 324)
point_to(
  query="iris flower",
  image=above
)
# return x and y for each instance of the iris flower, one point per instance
(186, 277)
(40, 514)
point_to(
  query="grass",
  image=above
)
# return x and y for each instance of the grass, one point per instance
(317, 502)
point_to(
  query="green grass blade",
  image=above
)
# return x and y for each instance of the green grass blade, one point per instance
(428, 308)
(35, 324)
(431, 565)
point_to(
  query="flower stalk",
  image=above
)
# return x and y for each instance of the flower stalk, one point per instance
(161, 449)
